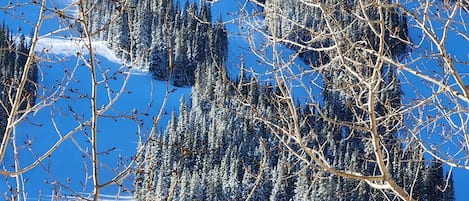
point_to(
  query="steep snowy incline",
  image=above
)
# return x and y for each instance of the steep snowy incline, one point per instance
(119, 128)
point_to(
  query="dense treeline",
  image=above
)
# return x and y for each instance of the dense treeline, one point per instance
(216, 148)
(13, 55)
(169, 40)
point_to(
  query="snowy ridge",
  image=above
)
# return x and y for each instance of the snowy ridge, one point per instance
(71, 47)
(102, 197)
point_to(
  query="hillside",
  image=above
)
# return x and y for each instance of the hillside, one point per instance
(228, 100)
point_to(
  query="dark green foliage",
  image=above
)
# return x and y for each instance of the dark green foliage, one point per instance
(13, 55)
(157, 35)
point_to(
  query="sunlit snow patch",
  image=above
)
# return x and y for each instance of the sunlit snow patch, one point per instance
(71, 47)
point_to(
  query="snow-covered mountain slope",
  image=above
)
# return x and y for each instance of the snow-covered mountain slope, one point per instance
(117, 135)
(67, 82)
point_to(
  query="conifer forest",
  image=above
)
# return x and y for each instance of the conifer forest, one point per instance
(234, 100)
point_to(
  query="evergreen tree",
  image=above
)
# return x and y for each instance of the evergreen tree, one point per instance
(449, 191)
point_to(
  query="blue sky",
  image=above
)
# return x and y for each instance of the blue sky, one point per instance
(144, 95)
